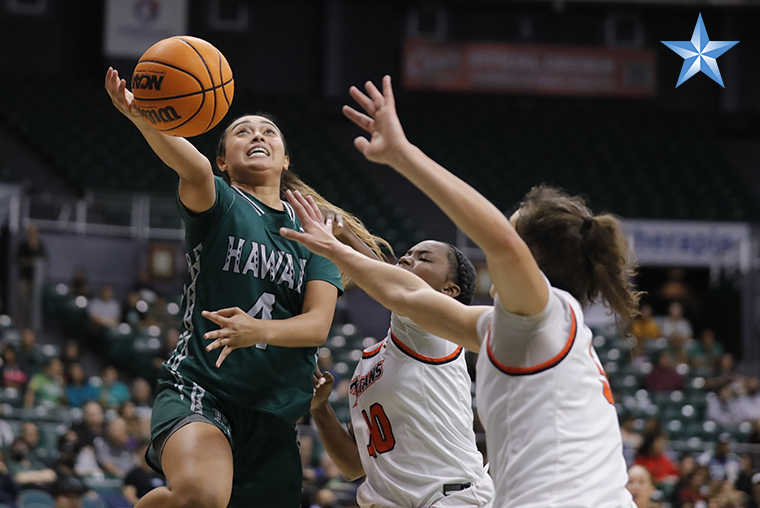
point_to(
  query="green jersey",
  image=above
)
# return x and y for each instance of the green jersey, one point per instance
(237, 258)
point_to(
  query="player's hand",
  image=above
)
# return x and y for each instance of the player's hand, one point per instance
(318, 231)
(323, 383)
(380, 120)
(336, 219)
(120, 96)
(237, 329)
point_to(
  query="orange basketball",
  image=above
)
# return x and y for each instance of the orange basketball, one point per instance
(183, 86)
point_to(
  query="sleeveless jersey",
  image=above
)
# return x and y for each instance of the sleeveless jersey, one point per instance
(237, 258)
(412, 417)
(552, 432)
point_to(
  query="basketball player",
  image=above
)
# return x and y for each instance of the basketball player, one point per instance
(411, 408)
(552, 432)
(226, 436)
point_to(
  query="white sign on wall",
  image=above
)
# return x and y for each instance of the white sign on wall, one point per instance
(132, 26)
(690, 243)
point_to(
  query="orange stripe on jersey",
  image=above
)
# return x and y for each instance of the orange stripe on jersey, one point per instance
(425, 359)
(372, 352)
(548, 364)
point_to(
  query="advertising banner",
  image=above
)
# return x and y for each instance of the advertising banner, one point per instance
(535, 69)
(132, 26)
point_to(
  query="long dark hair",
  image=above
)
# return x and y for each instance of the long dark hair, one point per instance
(586, 255)
(290, 181)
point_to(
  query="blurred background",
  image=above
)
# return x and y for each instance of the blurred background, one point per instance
(505, 94)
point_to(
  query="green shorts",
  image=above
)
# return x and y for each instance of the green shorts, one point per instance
(266, 458)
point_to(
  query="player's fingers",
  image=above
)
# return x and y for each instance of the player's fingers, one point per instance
(225, 352)
(310, 209)
(228, 312)
(388, 91)
(360, 119)
(328, 377)
(298, 207)
(361, 143)
(317, 210)
(374, 93)
(215, 345)
(302, 238)
(214, 316)
(364, 101)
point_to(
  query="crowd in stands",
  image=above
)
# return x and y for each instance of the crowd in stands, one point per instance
(68, 431)
(714, 475)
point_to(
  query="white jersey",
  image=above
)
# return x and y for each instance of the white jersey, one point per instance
(552, 431)
(411, 410)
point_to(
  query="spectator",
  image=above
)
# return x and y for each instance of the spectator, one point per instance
(721, 462)
(725, 373)
(13, 375)
(113, 393)
(631, 439)
(31, 252)
(141, 479)
(6, 433)
(664, 377)
(142, 397)
(79, 389)
(9, 489)
(28, 471)
(158, 314)
(135, 311)
(653, 457)
(104, 310)
(706, 352)
(30, 433)
(696, 488)
(113, 451)
(91, 425)
(30, 357)
(68, 491)
(47, 388)
(137, 429)
(679, 349)
(754, 500)
(748, 403)
(640, 486)
(70, 354)
(675, 323)
(723, 408)
(79, 284)
(644, 325)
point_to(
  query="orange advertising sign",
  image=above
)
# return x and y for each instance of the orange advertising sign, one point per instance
(533, 69)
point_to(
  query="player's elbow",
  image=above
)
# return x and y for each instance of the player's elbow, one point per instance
(353, 473)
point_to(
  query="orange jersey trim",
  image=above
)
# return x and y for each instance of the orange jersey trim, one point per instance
(548, 364)
(425, 359)
(372, 352)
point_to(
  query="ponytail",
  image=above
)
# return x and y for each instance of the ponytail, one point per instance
(588, 256)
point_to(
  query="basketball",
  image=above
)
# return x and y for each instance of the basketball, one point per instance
(183, 86)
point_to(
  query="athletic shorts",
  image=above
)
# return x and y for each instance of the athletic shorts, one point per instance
(266, 458)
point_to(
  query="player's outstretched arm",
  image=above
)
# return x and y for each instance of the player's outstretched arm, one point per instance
(513, 269)
(339, 444)
(395, 288)
(196, 184)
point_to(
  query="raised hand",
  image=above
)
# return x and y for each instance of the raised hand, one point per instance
(380, 120)
(336, 219)
(237, 329)
(323, 383)
(318, 232)
(120, 96)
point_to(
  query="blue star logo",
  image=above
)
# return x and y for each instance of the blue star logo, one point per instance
(699, 54)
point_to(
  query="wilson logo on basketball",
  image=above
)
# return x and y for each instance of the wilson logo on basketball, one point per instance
(163, 115)
(146, 82)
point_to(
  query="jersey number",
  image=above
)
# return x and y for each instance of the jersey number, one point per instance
(381, 438)
(264, 306)
(605, 381)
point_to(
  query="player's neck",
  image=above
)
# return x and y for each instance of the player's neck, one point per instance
(267, 194)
